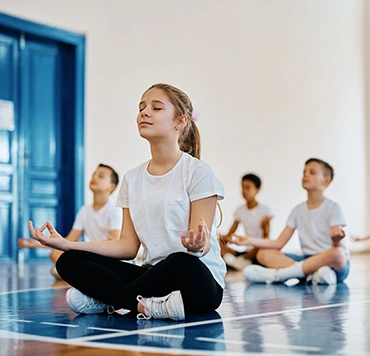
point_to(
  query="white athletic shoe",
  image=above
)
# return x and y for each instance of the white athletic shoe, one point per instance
(169, 307)
(259, 274)
(83, 304)
(324, 275)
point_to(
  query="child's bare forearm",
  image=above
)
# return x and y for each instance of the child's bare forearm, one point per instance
(357, 239)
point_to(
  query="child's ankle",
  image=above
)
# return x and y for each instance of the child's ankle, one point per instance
(140, 307)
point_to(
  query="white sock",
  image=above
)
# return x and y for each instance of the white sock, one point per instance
(294, 271)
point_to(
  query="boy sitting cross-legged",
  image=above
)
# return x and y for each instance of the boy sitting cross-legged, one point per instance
(319, 222)
(255, 218)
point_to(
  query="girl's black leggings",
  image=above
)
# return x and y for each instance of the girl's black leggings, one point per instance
(118, 283)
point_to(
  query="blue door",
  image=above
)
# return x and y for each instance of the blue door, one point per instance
(36, 161)
(8, 147)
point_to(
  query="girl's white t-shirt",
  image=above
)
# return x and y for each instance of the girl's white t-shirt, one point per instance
(160, 209)
(96, 225)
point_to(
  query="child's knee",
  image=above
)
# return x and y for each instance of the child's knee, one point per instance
(263, 254)
(66, 258)
(338, 257)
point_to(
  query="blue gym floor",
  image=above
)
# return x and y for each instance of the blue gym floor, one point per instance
(253, 319)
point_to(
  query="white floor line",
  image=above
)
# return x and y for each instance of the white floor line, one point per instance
(17, 320)
(154, 350)
(223, 341)
(33, 290)
(59, 324)
(104, 329)
(162, 335)
(275, 346)
(214, 321)
(89, 341)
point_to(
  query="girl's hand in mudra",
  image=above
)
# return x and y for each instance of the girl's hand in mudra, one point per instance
(196, 242)
(54, 240)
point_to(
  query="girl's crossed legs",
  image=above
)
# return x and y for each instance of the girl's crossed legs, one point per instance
(118, 283)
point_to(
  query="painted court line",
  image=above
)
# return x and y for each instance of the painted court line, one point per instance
(59, 324)
(104, 329)
(153, 350)
(235, 342)
(162, 335)
(214, 321)
(32, 290)
(17, 320)
(275, 346)
(119, 332)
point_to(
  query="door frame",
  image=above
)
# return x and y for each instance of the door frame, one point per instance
(76, 120)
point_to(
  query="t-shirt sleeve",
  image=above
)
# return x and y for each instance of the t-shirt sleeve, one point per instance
(237, 214)
(122, 199)
(79, 223)
(268, 211)
(292, 221)
(204, 183)
(116, 219)
(336, 216)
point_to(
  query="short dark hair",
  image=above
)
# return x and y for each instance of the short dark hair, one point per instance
(327, 168)
(253, 178)
(114, 175)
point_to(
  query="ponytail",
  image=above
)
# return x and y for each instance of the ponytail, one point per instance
(189, 140)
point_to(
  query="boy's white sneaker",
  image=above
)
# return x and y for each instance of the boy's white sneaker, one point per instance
(169, 307)
(259, 274)
(83, 304)
(324, 275)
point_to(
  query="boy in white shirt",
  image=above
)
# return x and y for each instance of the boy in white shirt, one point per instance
(319, 222)
(255, 218)
(98, 221)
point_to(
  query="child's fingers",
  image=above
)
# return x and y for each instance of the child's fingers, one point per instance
(31, 228)
(200, 228)
(183, 240)
(190, 241)
(38, 235)
(50, 227)
(235, 239)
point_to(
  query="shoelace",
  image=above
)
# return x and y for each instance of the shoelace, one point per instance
(158, 308)
(141, 316)
(94, 302)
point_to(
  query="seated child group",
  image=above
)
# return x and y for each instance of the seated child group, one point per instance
(319, 222)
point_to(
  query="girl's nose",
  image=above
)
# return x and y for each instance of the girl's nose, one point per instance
(144, 113)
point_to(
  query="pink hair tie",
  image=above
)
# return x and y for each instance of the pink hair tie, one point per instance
(195, 116)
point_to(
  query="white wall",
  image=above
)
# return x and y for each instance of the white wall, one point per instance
(276, 82)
